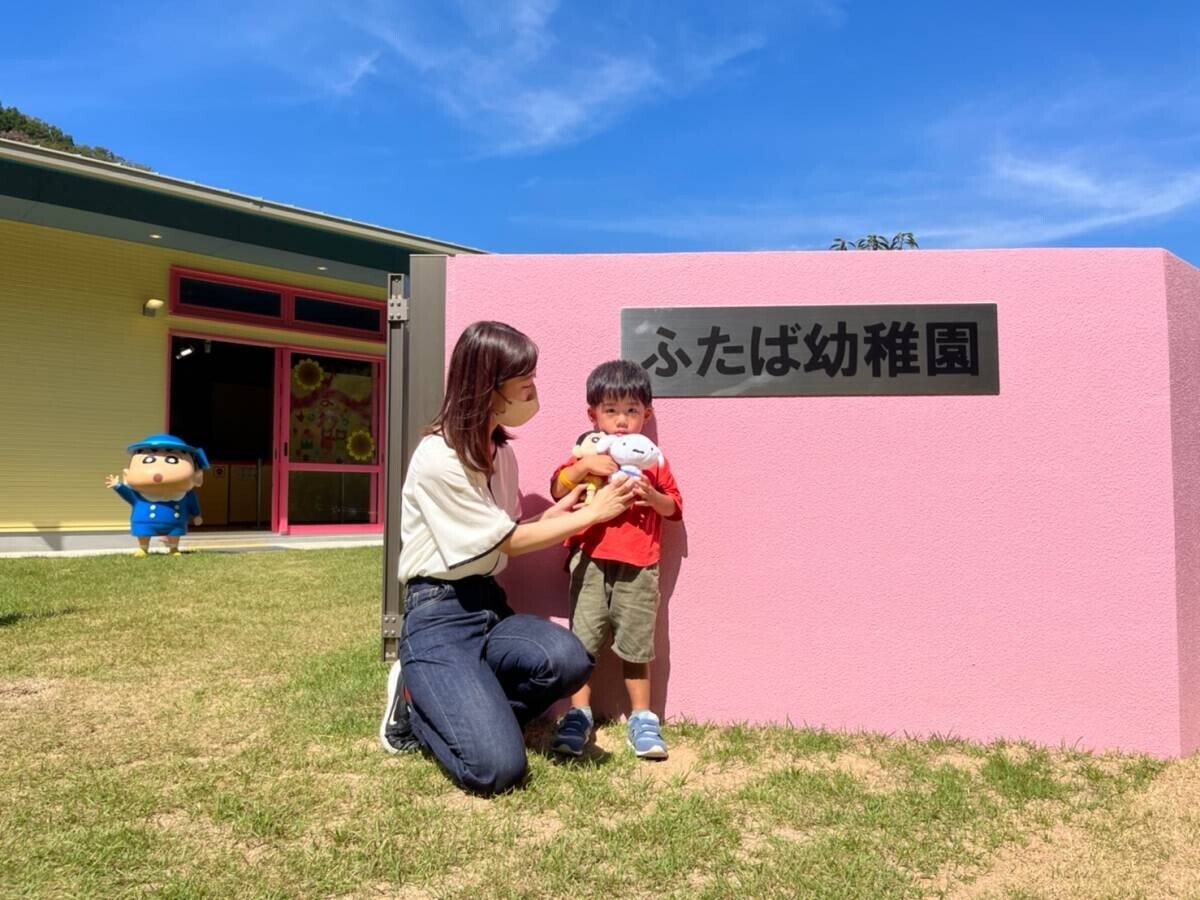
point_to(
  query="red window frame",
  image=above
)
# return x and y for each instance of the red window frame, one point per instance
(287, 306)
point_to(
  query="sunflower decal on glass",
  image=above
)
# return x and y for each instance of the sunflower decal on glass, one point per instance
(333, 410)
(307, 376)
(361, 446)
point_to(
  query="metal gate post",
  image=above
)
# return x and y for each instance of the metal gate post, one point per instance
(416, 362)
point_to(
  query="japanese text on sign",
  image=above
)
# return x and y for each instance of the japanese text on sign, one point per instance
(815, 350)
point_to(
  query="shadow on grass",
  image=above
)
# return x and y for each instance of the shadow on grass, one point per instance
(593, 757)
(13, 618)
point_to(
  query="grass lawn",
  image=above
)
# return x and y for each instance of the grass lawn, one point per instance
(204, 727)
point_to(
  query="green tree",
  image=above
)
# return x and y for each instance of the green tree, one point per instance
(18, 126)
(899, 241)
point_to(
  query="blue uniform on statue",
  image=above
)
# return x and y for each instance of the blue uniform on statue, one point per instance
(159, 518)
(160, 484)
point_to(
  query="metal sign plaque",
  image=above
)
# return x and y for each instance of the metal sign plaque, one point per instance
(748, 351)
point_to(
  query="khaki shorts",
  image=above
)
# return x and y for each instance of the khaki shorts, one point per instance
(614, 598)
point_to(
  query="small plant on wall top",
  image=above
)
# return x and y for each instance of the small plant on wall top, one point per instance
(899, 241)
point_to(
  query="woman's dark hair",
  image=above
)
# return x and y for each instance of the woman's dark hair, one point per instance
(616, 379)
(487, 353)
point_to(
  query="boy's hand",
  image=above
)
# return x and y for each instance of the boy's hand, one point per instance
(196, 520)
(598, 464)
(648, 495)
(111, 481)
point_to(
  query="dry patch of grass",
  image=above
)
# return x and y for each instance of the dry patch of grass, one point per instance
(1148, 846)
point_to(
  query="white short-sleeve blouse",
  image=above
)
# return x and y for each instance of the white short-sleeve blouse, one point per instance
(453, 521)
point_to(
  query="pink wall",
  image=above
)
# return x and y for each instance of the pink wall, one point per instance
(983, 566)
(1183, 311)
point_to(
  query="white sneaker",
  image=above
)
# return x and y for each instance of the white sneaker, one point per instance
(395, 730)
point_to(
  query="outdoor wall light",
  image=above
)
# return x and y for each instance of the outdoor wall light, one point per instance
(151, 307)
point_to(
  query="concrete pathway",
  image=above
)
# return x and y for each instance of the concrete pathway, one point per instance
(101, 543)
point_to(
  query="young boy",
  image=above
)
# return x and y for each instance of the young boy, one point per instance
(614, 565)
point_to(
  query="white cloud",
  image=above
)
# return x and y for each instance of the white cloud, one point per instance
(1066, 200)
(1026, 172)
(522, 76)
(345, 82)
(509, 77)
(1013, 201)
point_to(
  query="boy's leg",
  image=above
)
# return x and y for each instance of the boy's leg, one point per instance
(637, 684)
(583, 696)
(143, 546)
(635, 609)
(589, 612)
(460, 712)
(589, 623)
(590, 620)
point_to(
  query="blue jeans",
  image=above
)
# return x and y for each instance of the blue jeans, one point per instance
(478, 673)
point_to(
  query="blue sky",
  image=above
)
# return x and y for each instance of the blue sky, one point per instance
(650, 126)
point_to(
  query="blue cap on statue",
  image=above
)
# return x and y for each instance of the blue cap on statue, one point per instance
(169, 442)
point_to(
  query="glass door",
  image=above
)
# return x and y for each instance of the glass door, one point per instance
(329, 442)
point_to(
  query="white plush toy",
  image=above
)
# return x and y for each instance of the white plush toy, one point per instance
(632, 452)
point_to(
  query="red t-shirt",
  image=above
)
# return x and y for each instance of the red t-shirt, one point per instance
(635, 536)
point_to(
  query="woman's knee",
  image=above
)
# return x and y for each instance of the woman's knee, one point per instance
(577, 667)
(494, 769)
(568, 660)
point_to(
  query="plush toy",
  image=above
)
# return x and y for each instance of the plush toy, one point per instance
(589, 444)
(160, 484)
(631, 452)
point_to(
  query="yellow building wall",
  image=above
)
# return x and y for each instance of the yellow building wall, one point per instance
(83, 373)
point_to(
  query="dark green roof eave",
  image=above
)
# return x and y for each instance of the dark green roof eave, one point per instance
(76, 191)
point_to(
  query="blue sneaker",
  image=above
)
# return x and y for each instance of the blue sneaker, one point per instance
(573, 731)
(644, 737)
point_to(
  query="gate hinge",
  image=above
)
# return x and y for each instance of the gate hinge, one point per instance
(391, 626)
(397, 298)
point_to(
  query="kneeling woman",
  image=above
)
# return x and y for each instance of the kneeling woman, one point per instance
(474, 672)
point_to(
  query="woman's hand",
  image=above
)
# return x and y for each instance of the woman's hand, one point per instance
(613, 499)
(566, 504)
(568, 517)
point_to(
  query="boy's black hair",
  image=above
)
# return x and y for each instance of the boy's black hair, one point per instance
(616, 379)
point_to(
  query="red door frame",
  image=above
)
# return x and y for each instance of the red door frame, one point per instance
(281, 418)
(288, 294)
